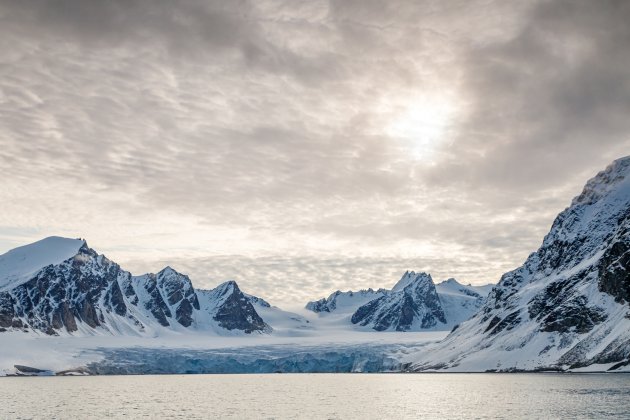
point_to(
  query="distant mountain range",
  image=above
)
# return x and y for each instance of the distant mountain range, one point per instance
(566, 308)
(415, 303)
(62, 286)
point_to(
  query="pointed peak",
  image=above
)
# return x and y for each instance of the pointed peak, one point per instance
(228, 286)
(410, 278)
(168, 271)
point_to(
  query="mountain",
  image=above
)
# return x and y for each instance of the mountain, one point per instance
(60, 285)
(415, 303)
(344, 301)
(167, 294)
(232, 309)
(567, 306)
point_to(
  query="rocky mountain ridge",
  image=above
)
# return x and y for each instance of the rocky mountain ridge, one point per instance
(567, 306)
(86, 293)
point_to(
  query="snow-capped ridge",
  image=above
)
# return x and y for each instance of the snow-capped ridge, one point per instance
(610, 179)
(452, 286)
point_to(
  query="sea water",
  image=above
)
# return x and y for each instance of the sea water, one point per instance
(318, 396)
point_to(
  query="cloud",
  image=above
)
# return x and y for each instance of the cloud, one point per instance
(185, 131)
(548, 103)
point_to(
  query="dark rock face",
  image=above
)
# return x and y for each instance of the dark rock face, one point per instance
(400, 314)
(497, 324)
(614, 269)
(7, 311)
(235, 311)
(318, 306)
(416, 303)
(561, 308)
(155, 304)
(179, 293)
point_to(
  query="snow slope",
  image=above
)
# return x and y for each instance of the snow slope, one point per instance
(567, 307)
(460, 302)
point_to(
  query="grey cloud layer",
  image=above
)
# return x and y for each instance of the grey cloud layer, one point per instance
(272, 117)
(549, 101)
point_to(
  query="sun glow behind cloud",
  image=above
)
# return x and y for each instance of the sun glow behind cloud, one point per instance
(422, 123)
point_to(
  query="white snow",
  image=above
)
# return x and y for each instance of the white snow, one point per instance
(460, 302)
(21, 264)
(453, 287)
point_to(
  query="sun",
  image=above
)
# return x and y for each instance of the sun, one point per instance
(421, 123)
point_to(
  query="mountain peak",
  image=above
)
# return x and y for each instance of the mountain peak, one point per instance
(227, 288)
(18, 264)
(412, 304)
(606, 181)
(228, 283)
(168, 271)
(232, 309)
(411, 277)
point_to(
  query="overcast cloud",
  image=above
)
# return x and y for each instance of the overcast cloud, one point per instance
(305, 146)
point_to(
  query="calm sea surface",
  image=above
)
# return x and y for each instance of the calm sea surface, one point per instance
(319, 396)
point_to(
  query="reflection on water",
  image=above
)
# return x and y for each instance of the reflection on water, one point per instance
(319, 396)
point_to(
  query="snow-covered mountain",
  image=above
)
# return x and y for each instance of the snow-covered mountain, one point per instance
(343, 302)
(567, 306)
(60, 285)
(415, 303)
(228, 306)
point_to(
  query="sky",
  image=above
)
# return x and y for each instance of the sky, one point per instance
(300, 147)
